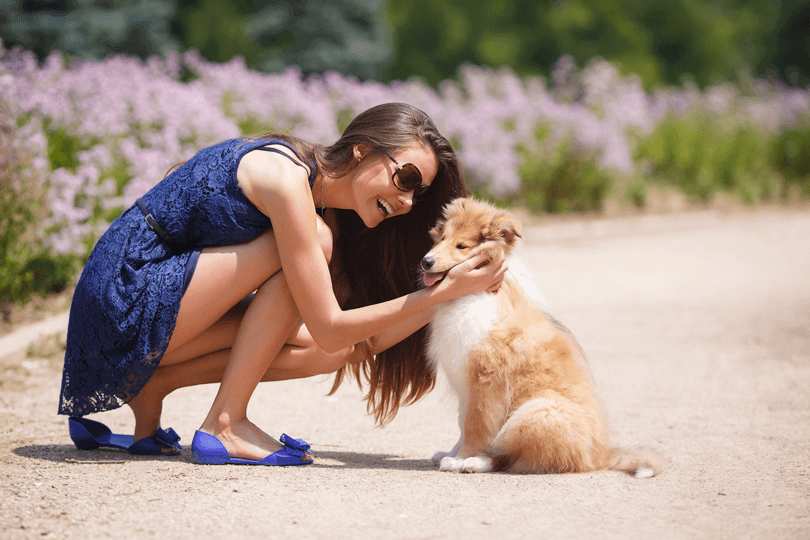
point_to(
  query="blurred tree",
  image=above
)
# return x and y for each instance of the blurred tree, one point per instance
(349, 36)
(663, 42)
(789, 52)
(352, 37)
(216, 29)
(89, 28)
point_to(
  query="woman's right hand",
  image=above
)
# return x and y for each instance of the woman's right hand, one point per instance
(470, 277)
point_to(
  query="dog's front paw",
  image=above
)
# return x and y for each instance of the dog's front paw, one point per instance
(439, 456)
(477, 464)
(450, 464)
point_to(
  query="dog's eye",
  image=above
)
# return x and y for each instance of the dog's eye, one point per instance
(461, 246)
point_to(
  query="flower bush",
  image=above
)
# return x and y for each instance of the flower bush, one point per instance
(97, 135)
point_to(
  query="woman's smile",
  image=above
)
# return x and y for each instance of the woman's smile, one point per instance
(384, 207)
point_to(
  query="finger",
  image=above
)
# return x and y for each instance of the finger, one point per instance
(476, 261)
(496, 287)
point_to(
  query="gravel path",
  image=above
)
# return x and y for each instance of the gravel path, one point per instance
(697, 327)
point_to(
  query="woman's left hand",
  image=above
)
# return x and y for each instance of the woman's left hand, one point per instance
(475, 275)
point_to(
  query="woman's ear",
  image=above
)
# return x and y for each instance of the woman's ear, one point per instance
(360, 150)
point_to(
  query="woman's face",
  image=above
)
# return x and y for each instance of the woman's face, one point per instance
(376, 195)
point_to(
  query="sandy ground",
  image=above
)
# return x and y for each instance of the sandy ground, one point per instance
(697, 327)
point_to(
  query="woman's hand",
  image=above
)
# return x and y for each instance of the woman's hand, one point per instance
(471, 277)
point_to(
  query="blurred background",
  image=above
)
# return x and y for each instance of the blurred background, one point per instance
(662, 42)
(597, 106)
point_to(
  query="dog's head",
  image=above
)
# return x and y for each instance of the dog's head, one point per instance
(468, 227)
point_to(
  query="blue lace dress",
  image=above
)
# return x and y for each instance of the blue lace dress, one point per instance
(126, 302)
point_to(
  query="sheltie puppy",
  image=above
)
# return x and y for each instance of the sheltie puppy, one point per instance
(526, 397)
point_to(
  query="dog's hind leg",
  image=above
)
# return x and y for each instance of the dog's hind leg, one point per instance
(552, 434)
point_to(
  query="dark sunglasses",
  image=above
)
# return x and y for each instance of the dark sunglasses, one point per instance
(407, 177)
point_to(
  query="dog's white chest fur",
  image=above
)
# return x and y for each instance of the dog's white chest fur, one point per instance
(461, 324)
(457, 327)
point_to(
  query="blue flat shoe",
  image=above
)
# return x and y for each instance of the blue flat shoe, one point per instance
(209, 450)
(88, 435)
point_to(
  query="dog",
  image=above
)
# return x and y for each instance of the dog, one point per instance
(526, 396)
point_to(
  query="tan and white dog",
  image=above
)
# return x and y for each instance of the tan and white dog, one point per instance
(526, 397)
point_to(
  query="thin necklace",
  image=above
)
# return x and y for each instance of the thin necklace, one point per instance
(322, 208)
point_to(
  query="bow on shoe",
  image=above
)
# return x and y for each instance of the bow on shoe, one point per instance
(295, 447)
(169, 437)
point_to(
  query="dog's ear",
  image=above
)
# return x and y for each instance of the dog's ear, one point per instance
(506, 227)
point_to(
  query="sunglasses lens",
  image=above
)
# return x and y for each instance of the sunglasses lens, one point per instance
(408, 177)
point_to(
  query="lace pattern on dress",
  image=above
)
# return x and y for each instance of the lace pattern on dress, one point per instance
(126, 302)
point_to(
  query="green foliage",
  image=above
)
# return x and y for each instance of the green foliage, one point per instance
(19, 209)
(348, 36)
(703, 155)
(663, 42)
(791, 156)
(250, 126)
(89, 28)
(788, 57)
(26, 266)
(344, 118)
(221, 41)
(483, 194)
(21, 206)
(564, 179)
(635, 192)
(63, 149)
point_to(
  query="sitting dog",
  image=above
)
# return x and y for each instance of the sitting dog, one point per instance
(526, 398)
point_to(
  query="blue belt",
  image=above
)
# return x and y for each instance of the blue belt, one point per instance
(154, 225)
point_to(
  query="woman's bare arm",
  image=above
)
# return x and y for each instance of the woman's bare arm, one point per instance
(280, 190)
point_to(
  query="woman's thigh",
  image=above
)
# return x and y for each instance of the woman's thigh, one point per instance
(225, 275)
(212, 307)
(220, 335)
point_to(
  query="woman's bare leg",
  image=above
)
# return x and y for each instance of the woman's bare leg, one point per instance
(301, 357)
(264, 329)
(210, 318)
(177, 367)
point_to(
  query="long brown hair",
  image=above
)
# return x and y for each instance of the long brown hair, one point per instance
(374, 265)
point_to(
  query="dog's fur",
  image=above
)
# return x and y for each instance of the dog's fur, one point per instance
(526, 398)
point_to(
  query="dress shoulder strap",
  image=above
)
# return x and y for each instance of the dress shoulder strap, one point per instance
(310, 170)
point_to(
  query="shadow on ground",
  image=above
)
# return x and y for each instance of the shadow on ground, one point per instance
(66, 453)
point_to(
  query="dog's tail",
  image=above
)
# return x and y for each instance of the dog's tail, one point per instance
(636, 464)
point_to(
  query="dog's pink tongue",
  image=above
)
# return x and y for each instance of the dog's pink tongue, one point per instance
(429, 279)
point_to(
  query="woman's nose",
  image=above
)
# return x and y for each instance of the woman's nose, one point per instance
(406, 199)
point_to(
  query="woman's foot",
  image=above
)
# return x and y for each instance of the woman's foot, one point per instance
(242, 438)
(147, 407)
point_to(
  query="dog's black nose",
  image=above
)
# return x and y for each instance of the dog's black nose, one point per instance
(428, 262)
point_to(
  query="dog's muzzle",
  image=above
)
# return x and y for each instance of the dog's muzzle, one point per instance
(430, 278)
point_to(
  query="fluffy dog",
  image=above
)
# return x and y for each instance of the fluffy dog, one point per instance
(526, 398)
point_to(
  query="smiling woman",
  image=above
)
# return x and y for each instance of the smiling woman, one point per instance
(224, 272)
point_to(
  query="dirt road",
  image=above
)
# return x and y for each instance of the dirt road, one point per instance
(697, 327)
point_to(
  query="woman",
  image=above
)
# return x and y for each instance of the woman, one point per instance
(224, 272)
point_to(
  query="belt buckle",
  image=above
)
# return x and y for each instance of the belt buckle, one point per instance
(152, 222)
